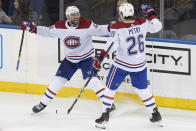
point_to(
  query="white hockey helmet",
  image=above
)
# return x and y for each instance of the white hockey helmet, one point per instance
(126, 9)
(71, 10)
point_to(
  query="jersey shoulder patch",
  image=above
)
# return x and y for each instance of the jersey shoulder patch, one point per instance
(84, 23)
(60, 24)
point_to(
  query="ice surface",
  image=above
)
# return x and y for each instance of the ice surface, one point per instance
(16, 115)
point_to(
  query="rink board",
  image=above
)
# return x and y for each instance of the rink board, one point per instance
(170, 102)
(170, 74)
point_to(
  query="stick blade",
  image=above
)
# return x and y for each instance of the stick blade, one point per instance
(17, 65)
(68, 111)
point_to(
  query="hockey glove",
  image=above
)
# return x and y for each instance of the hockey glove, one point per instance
(97, 59)
(149, 11)
(96, 63)
(30, 26)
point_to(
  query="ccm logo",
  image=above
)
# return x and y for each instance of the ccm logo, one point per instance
(72, 42)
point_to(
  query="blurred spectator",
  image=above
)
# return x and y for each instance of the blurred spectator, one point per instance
(37, 6)
(11, 8)
(190, 37)
(23, 13)
(53, 9)
(5, 5)
(4, 19)
(169, 34)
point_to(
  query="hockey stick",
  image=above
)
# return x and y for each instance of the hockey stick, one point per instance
(23, 32)
(69, 110)
(18, 61)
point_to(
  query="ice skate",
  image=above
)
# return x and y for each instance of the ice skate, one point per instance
(156, 117)
(38, 108)
(113, 107)
(103, 120)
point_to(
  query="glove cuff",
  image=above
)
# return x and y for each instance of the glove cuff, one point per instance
(23, 25)
(151, 14)
(34, 30)
(152, 17)
(150, 10)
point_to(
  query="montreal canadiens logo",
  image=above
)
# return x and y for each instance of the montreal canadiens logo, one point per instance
(72, 42)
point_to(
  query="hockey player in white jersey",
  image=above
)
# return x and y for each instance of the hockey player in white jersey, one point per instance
(130, 59)
(75, 33)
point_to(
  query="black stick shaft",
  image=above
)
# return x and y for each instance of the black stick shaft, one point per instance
(18, 61)
(23, 32)
(69, 110)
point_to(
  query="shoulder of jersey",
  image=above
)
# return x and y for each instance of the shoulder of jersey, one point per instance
(120, 24)
(84, 23)
(60, 24)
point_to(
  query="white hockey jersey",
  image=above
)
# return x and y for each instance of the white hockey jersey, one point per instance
(130, 45)
(76, 40)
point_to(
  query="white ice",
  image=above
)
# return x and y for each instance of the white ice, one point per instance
(16, 115)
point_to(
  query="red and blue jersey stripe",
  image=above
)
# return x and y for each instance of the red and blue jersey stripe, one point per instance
(125, 64)
(83, 56)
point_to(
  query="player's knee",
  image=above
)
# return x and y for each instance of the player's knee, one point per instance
(143, 86)
(112, 87)
(57, 83)
(60, 79)
(109, 92)
(143, 92)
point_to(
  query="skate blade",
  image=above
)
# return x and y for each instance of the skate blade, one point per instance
(158, 123)
(101, 126)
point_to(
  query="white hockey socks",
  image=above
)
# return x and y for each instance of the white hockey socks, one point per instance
(108, 98)
(147, 99)
(56, 84)
(96, 85)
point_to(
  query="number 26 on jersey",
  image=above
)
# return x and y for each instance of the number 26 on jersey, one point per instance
(136, 44)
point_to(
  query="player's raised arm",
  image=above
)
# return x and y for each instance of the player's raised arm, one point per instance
(40, 30)
(99, 30)
(46, 31)
(153, 24)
